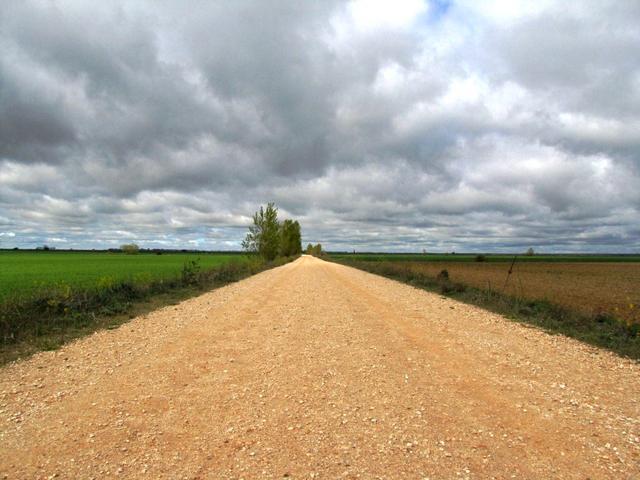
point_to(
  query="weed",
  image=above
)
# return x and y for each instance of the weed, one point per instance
(190, 272)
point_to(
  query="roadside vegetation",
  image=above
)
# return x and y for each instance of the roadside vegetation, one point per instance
(49, 297)
(49, 316)
(594, 302)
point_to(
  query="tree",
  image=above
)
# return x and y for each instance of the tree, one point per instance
(290, 238)
(315, 250)
(264, 235)
(130, 248)
(530, 252)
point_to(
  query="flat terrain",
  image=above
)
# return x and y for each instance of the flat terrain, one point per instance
(317, 370)
(24, 272)
(488, 258)
(590, 288)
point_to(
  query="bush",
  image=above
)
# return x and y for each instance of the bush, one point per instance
(443, 275)
(190, 271)
(451, 287)
(480, 258)
(130, 248)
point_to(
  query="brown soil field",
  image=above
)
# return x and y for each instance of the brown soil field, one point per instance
(591, 288)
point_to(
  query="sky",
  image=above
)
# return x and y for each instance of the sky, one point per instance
(464, 125)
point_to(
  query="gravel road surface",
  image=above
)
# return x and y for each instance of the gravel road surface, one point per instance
(318, 371)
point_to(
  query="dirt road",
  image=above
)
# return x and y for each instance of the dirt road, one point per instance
(316, 370)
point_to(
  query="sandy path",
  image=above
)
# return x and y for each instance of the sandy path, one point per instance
(316, 370)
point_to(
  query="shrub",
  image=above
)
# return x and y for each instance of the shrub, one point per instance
(190, 271)
(130, 248)
(443, 275)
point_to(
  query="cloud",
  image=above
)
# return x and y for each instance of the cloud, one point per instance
(433, 124)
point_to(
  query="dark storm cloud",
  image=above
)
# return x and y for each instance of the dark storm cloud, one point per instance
(443, 125)
(32, 123)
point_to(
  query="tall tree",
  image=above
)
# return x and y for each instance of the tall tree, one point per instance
(264, 235)
(296, 241)
(290, 238)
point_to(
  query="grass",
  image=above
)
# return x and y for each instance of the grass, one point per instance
(24, 272)
(82, 292)
(602, 329)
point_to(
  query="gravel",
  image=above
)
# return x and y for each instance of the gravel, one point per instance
(317, 370)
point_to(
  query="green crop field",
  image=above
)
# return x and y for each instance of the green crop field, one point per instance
(50, 297)
(24, 272)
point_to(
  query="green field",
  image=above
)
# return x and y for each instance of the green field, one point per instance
(49, 298)
(473, 257)
(24, 272)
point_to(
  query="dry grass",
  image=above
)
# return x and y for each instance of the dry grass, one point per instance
(590, 288)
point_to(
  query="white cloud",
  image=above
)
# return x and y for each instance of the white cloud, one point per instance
(381, 125)
(505, 11)
(369, 15)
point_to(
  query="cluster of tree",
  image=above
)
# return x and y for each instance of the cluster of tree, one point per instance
(314, 250)
(130, 248)
(270, 238)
